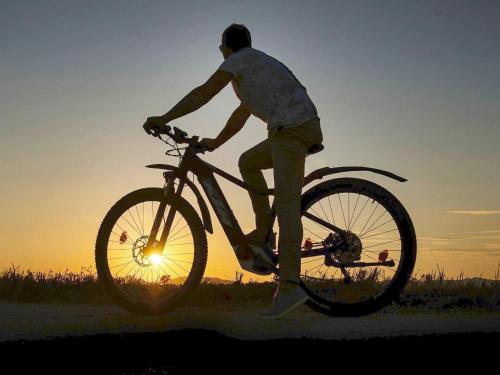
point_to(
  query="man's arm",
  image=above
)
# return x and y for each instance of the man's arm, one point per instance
(199, 96)
(235, 123)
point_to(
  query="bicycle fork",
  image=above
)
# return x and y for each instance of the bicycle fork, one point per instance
(153, 246)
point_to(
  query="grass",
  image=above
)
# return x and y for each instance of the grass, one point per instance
(428, 291)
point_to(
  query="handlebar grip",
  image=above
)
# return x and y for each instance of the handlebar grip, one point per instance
(164, 129)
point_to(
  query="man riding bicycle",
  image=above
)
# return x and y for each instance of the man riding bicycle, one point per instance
(268, 90)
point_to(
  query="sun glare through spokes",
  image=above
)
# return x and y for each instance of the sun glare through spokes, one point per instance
(128, 240)
(155, 259)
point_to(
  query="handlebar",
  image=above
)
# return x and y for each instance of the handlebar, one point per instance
(180, 136)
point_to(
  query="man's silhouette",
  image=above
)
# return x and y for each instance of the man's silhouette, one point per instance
(269, 90)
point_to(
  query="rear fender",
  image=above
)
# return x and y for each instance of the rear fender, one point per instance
(318, 174)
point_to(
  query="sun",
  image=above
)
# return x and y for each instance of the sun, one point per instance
(155, 259)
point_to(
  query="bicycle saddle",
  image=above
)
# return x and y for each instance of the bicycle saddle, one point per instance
(317, 147)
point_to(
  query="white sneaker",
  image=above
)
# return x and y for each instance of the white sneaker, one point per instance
(285, 300)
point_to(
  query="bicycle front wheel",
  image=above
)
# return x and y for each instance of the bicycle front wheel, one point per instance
(367, 265)
(150, 284)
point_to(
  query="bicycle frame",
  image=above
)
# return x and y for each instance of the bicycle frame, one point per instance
(205, 172)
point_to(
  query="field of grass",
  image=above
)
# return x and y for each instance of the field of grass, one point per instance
(432, 291)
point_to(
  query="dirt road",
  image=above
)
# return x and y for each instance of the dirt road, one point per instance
(31, 321)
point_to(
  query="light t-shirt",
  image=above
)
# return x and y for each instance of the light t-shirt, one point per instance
(269, 89)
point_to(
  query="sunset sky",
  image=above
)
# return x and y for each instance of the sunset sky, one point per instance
(409, 87)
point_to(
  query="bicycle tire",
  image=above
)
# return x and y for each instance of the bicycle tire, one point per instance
(408, 243)
(199, 259)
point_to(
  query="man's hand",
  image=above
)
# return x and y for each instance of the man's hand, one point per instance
(210, 143)
(153, 123)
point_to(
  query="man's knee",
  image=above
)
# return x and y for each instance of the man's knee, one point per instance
(244, 162)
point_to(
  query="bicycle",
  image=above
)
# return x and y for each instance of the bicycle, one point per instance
(348, 268)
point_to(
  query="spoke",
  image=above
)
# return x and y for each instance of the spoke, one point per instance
(361, 231)
(313, 210)
(135, 273)
(139, 219)
(338, 196)
(123, 266)
(362, 209)
(133, 265)
(178, 238)
(178, 260)
(378, 226)
(322, 239)
(387, 231)
(306, 277)
(178, 265)
(318, 270)
(171, 229)
(131, 226)
(129, 271)
(348, 208)
(383, 243)
(375, 222)
(179, 230)
(179, 253)
(118, 265)
(181, 244)
(319, 265)
(166, 264)
(353, 212)
(160, 267)
(331, 211)
(157, 273)
(322, 209)
(335, 273)
(378, 251)
(311, 261)
(136, 225)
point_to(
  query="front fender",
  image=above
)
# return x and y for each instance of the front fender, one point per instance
(205, 214)
(320, 173)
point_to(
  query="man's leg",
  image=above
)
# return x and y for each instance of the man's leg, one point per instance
(288, 150)
(289, 157)
(251, 164)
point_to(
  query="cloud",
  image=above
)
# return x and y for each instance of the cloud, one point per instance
(466, 238)
(491, 245)
(483, 232)
(475, 212)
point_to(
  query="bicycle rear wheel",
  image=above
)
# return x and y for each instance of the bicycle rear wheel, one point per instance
(377, 247)
(155, 283)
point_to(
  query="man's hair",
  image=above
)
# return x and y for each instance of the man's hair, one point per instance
(236, 37)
